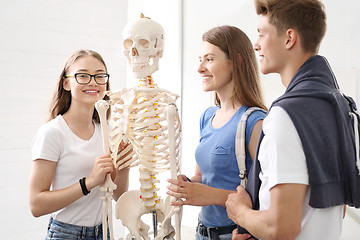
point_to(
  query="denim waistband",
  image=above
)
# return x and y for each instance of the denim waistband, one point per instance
(75, 230)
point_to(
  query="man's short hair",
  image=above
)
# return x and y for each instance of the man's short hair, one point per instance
(306, 17)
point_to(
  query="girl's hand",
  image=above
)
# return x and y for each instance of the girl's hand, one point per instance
(188, 193)
(102, 166)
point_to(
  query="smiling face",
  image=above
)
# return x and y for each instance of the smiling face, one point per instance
(270, 46)
(215, 69)
(88, 93)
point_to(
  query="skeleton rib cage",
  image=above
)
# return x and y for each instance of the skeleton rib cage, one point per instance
(138, 116)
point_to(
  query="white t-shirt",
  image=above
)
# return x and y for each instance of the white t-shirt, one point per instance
(75, 158)
(282, 160)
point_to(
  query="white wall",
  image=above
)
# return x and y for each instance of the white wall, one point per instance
(36, 37)
(340, 46)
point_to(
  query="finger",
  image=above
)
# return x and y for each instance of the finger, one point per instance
(182, 183)
(237, 236)
(175, 194)
(179, 203)
(229, 199)
(248, 237)
(103, 160)
(104, 163)
(180, 178)
(239, 188)
(227, 204)
(170, 193)
(176, 189)
(234, 233)
(173, 181)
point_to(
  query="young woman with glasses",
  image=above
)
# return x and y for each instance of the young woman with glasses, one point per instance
(67, 153)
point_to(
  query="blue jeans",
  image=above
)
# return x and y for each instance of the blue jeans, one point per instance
(59, 231)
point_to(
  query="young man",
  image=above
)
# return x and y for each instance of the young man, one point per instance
(304, 171)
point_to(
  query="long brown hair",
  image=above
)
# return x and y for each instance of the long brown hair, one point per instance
(307, 17)
(62, 99)
(239, 50)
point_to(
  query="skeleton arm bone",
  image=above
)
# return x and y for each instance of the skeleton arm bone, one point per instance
(102, 106)
(108, 186)
(172, 116)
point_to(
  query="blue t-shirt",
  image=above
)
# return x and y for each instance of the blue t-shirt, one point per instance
(216, 159)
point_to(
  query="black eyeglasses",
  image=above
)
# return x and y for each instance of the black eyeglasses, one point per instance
(85, 78)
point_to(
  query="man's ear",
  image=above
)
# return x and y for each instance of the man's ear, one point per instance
(66, 84)
(291, 38)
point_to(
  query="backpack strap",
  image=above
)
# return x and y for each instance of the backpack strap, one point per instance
(240, 143)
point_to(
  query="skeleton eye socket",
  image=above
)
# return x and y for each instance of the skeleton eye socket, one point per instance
(144, 43)
(128, 43)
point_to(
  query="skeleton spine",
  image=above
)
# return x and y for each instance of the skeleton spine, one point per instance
(148, 156)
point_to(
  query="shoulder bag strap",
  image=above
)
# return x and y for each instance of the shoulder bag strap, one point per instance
(240, 143)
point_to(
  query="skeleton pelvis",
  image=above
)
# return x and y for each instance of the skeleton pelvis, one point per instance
(129, 209)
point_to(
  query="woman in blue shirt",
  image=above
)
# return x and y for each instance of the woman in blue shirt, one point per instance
(229, 68)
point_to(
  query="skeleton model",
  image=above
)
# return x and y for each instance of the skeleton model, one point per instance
(145, 117)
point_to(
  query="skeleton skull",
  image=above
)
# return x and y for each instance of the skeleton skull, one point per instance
(143, 46)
